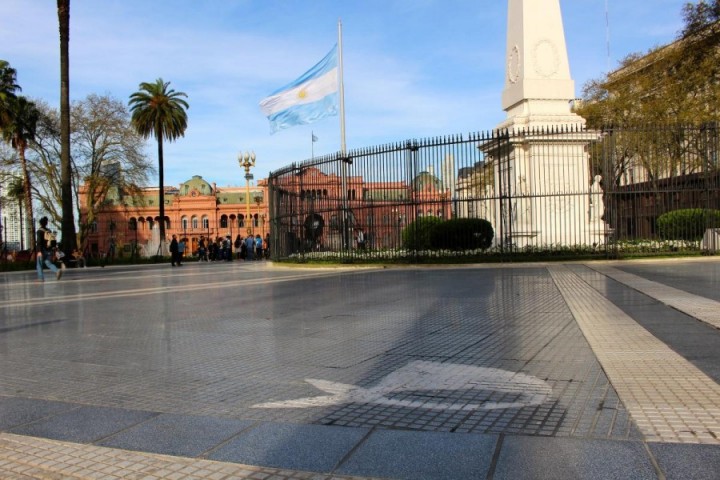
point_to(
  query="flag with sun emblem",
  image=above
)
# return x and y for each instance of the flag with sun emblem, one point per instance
(306, 100)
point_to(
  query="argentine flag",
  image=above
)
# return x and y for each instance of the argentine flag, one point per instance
(306, 100)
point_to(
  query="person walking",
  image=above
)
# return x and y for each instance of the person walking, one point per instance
(173, 250)
(181, 251)
(43, 239)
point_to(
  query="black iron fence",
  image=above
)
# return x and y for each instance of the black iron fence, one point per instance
(564, 190)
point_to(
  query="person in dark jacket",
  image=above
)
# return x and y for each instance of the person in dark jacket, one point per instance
(174, 251)
(44, 251)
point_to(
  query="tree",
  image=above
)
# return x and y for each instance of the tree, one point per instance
(107, 159)
(8, 87)
(699, 16)
(159, 111)
(18, 131)
(108, 154)
(69, 240)
(679, 81)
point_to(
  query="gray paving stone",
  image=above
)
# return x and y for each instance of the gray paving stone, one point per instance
(84, 424)
(18, 411)
(696, 341)
(572, 459)
(679, 462)
(297, 447)
(422, 456)
(202, 355)
(183, 435)
(699, 278)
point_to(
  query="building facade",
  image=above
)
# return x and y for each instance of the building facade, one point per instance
(128, 225)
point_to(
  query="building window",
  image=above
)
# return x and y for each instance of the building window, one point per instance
(205, 223)
(241, 220)
(224, 221)
(132, 224)
(194, 223)
(184, 223)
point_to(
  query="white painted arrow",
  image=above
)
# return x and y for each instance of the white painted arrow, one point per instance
(427, 376)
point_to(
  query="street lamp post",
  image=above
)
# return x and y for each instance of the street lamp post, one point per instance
(231, 219)
(247, 161)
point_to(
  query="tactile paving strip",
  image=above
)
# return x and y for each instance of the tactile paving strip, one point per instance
(670, 399)
(704, 309)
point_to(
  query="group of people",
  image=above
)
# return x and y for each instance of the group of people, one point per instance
(252, 248)
(248, 248)
(223, 248)
(177, 250)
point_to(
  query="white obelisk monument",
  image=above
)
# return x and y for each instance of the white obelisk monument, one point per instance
(542, 172)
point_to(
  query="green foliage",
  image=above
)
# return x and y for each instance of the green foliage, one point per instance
(462, 234)
(677, 80)
(433, 233)
(159, 111)
(687, 224)
(417, 235)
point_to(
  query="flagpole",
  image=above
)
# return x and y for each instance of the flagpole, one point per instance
(312, 145)
(341, 89)
(343, 147)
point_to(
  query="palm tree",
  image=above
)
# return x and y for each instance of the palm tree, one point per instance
(159, 111)
(18, 131)
(8, 87)
(68, 218)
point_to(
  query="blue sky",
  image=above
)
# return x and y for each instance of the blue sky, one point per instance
(413, 68)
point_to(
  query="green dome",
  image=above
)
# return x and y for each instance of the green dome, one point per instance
(426, 181)
(196, 184)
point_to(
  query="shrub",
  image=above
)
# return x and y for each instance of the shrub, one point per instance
(416, 236)
(687, 224)
(462, 234)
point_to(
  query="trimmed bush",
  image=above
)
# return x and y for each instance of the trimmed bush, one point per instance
(416, 236)
(687, 224)
(462, 234)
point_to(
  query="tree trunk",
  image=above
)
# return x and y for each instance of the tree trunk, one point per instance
(28, 191)
(69, 240)
(158, 135)
(23, 223)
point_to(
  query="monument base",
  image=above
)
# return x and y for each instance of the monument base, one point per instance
(522, 239)
(599, 234)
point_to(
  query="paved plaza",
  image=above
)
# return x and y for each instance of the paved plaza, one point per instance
(235, 370)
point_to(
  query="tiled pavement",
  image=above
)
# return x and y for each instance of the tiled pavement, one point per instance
(406, 373)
